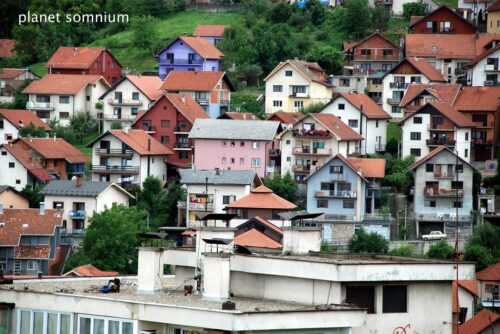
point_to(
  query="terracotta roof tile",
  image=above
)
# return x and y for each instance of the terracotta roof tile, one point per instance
(311, 71)
(286, 117)
(337, 127)
(138, 141)
(26, 222)
(484, 42)
(254, 238)
(32, 252)
(25, 117)
(478, 99)
(375, 34)
(494, 7)
(149, 85)
(442, 92)
(191, 81)
(187, 106)
(202, 47)
(415, 19)
(55, 148)
(11, 73)
(447, 111)
(262, 198)
(89, 270)
(7, 47)
(492, 273)
(451, 46)
(366, 105)
(239, 115)
(369, 168)
(478, 323)
(203, 30)
(268, 224)
(426, 69)
(66, 57)
(483, 55)
(60, 84)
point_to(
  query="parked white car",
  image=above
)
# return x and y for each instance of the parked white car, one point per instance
(434, 235)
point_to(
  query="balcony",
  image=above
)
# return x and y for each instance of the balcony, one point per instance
(311, 133)
(354, 153)
(201, 101)
(492, 83)
(116, 169)
(39, 105)
(335, 194)
(114, 152)
(181, 62)
(301, 169)
(299, 95)
(312, 152)
(460, 71)
(75, 168)
(439, 217)
(122, 102)
(491, 68)
(399, 85)
(444, 175)
(274, 153)
(183, 146)
(379, 147)
(181, 130)
(77, 214)
(202, 206)
(437, 142)
(394, 101)
(108, 117)
(223, 102)
(443, 193)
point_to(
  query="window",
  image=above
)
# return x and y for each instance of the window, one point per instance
(344, 82)
(298, 104)
(231, 161)
(288, 73)
(228, 199)
(429, 168)
(242, 213)
(233, 144)
(466, 152)
(277, 103)
(54, 323)
(348, 204)
(63, 115)
(18, 181)
(99, 325)
(394, 299)
(387, 52)
(224, 160)
(415, 136)
(58, 205)
(181, 124)
(255, 145)
(430, 204)
(164, 139)
(12, 165)
(366, 52)
(135, 96)
(134, 111)
(287, 142)
(277, 88)
(466, 136)
(417, 120)
(361, 296)
(459, 168)
(456, 204)
(183, 155)
(165, 123)
(376, 123)
(353, 123)
(415, 152)
(322, 203)
(255, 163)
(242, 161)
(242, 144)
(396, 110)
(336, 169)
(429, 24)
(288, 159)
(224, 143)
(88, 97)
(457, 185)
(341, 106)
(64, 99)
(31, 265)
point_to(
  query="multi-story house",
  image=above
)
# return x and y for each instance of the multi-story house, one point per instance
(436, 124)
(312, 141)
(349, 81)
(294, 84)
(169, 120)
(11, 198)
(128, 157)
(474, 10)
(344, 191)
(29, 241)
(60, 96)
(493, 18)
(443, 20)
(375, 53)
(362, 115)
(12, 121)
(212, 190)
(189, 54)
(488, 281)
(443, 190)
(122, 102)
(212, 33)
(78, 200)
(410, 70)
(484, 70)
(417, 95)
(234, 144)
(86, 61)
(31, 161)
(11, 79)
(211, 90)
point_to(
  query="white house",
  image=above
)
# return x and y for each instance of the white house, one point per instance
(78, 200)
(484, 70)
(60, 96)
(12, 121)
(212, 191)
(396, 81)
(436, 124)
(130, 94)
(11, 79)
(128, 157)
(364, 116)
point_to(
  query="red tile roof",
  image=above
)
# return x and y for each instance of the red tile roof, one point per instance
(191, 81)
(433, 153)
(286, 117)
(239, 115)
(447, 111)
(483, 55)
(426, 69)
(268, 224)
(494, 7)
(149, 85)
(203, 30)
(254, 238)
(311, 71)
(492, 273)
(442, 92)
(55, 148)
(414, 19)
(27, 222)
(74, 57)
(202, 47)
(11, 73)
(25, 117)
(89, 270)
(7, 47)
(337, 127)
(138, 141)
(262, 198)
(478, 99)
(187, 106)
(366, 105)
(450, 46)
(61, 84)
(375, 34)
(479, 323)
(32, 252)
(369, 168)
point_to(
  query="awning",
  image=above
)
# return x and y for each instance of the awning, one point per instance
(298, 215)
(215, 216)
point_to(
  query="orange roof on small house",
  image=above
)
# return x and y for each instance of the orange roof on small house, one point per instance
(11, 73)
(492, 273)
(63, 84)
(485, 41)
(365, 105)
(239, 115)
(187, 106)
(350, 45)
(22, 118)
(55, 148)
(89, 270)
(415, 19)
(369, 168)
(469, 285)
(426, 69)
(483, 55)
(447, 111)
(337, 127)
(203, 30)
(479, 323)
(442, 92)
(201, 46)
(74, 57)
(311, 71)
(478, 99)
(262, 198)
(139, 141)
(192, 81)
(254, 238)
(22, 153)
(149, 85)
(7, 47)
(442, 46)
(286, 117)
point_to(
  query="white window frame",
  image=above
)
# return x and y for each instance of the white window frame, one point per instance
(45, 319)
(255, 145)
(32, 265)
(254, 164)
(106, 323)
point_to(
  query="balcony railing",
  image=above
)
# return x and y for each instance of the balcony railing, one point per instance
(178, 129)
(443, 193)
(311, 133)
(182, 146)
(491, 67)
(492, 83)
(77, 214)
(40, 105)
(223, 102)
(114, 152)
(122, 102)
(201, 101)
(379, 147)
(399, 85)
(439, 216)
(444, 175)
(202, 206)
(301, 169)
(335, 194)
(437, 142)
(109, 117)
(75, 168)
(274, 153)
(297, 94)
(337, 177)
(314, 151)
(394, 101)
(181, 62)
(116, 169)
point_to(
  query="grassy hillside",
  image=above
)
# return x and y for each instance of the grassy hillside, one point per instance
(167, 29)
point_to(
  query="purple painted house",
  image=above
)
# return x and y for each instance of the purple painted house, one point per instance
(189, 54)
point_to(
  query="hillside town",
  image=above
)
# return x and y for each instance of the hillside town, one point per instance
(359, 197)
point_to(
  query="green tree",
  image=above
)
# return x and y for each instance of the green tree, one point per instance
(82, 123)
(398, 174)
(484, 246)
(363, 242)
(246, 102)
(316, 11)
(328, 57)
(151, 197)
(440, 250)
(313, 108)
(110, 242)
(478, 254)
(356, 18)
(414, 9)
(282, 186)
(175, 193)
(380, 18)
(33, 131)
(280, 12)
(144, 32)
(404, 250)
(33, 195)
(116, 125)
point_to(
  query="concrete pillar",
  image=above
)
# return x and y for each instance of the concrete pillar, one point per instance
(150, 269)
(213, 233)
(216, 275)
(301, 240)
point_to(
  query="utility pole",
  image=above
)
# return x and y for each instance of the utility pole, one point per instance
(206, 194)
(406, 230)
(457, 255)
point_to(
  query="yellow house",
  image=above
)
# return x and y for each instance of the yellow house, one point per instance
(12, 199)
(295, 84)
(493, 22)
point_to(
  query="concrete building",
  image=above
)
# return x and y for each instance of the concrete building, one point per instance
(128, 157)
(364, 116)
(443, 190)
(212, 33)
(294, 84)
(11, 79)
(484, 70)
(12, 121)
(12, 199)
(80, 200)
(488, 281)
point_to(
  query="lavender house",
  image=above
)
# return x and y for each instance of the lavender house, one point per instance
(188, 54)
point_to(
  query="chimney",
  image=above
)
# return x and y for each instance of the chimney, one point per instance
(216, 277)
(78, 182)
(42, 208)
(299, 240)
(150, 269)
(75, 52)
(217, 171)
(149, 144)
(21, 123)
(126, 129)
(55, 138)
(183, 99)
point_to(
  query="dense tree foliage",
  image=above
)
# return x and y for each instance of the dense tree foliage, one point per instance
(380, 18)
(282, 186)
(397, 172)
(33, 195)
(82, 123)
(440, 250)
(414, 9)
(405, 250)
(484, 246)
(364, 242)
(31, 130)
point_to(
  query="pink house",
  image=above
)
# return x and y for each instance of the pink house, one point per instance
(234, 144)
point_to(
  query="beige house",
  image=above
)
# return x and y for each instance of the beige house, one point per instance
(493, 18)
(295, 84)
(12, 199)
